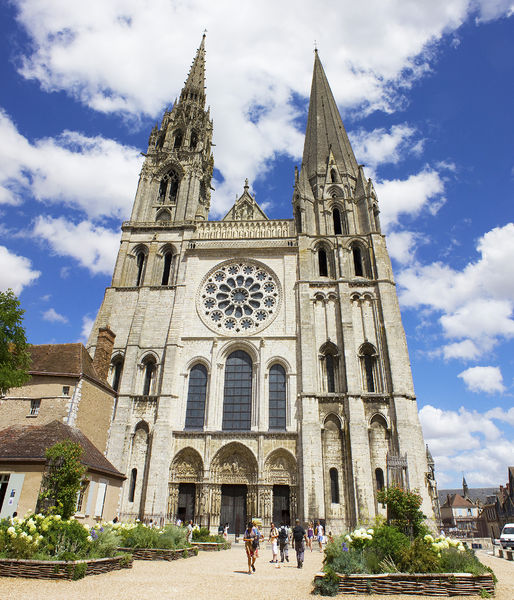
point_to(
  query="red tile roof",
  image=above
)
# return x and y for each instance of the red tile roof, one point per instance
(28, 443)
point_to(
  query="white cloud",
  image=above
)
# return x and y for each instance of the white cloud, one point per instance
(94, 174)
(54, 317)
(483, 379)
(470, 442)
(409, 196)
(16, 271)
(475, 303)
(379, 146)
(93, 247)
(131, 57)
(87, 325)
(401, 245)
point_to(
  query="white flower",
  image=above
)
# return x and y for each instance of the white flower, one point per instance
(23, 534)
(89, 538)
(57, 517)
(11, 531)
(29, 538)
(370, 531)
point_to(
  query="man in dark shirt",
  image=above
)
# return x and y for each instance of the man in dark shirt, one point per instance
(299, 539)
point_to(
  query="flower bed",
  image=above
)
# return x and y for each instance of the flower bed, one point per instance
(60, 569)
(212, 546)
(160, 553)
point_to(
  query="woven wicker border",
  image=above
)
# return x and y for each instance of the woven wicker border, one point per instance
(160, 553)
(425, 584)
(60, 569)
(212, 546)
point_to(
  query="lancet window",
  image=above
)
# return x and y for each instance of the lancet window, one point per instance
(197, 391)
(277, 397)
(237, 401)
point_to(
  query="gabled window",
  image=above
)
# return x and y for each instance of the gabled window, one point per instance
(195, 409)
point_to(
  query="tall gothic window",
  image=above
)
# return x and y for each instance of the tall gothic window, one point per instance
(277, 397)
(334, 486)
(132, 486)
(194, 140)
(379, 478)
(195, 410)
(298, 219)
(237, 401)
(330, 373)
(179, 136)
(166, 270)
(357, 261)
(117, 369)
(336, 216)
(369, 359)
(140, 267)
(149, 374)
(333, 175)
(322, 262)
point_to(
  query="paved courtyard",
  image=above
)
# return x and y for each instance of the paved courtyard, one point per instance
(209, 576)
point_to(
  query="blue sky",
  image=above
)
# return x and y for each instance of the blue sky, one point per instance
(426, 96)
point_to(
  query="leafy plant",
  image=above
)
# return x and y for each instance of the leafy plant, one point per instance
(453, 561)
(418, 558)
(403, 510)
(327, 585)
(62, 478)
(387, 542)
(14, 355)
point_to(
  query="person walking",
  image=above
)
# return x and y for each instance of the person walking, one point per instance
(283, 542)
(310, 535)
(225, 532)
(251, 545)
(319, 535)
(273, 538)
(190, 532)
(299, 539)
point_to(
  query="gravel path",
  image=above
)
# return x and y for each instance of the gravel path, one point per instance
(211, 576)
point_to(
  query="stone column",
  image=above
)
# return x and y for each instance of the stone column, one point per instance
(266, 504)
(251, 502)
(293, 508)
(215, 505)
(172, 502)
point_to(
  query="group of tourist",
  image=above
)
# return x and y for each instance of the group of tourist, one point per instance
(280, 538)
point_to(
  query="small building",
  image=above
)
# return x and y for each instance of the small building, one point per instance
(459, 514)
(68, 385)
(23, 463)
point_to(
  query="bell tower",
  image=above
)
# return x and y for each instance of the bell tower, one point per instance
(176, 176)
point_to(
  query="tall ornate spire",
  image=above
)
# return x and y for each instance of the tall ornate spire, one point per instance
(325, 130)
(194, 87)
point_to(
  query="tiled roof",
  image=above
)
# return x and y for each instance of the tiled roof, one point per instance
(63, 359)
(474, 494)
(457, 501)
(29, 443)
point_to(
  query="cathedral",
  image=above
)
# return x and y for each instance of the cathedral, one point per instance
(261, 365)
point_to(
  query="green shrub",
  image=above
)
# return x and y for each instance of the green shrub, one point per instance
(106, 543)
(403, 510)
(328, 585)
(201, 535)
(387, 543)
(79, 572)
(342, 558)
(453, 561)
(418, 558)
(174, 537)
(140, 537)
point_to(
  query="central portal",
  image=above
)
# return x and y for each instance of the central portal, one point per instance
(233, 507)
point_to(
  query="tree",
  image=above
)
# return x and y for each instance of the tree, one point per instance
(62, 478)
(403, 509)
(14, 354)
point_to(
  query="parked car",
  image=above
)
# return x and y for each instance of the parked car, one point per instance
(507, 536)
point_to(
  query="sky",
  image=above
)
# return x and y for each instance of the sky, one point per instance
(425, 91)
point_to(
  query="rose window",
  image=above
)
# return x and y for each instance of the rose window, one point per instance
(239, 297)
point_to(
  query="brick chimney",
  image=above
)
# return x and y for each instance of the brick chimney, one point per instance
(103, 352)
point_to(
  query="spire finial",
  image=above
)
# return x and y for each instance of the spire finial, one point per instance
(315, 47)
(246, 186)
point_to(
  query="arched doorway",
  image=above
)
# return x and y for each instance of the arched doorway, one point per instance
(280, 474)
(186, 474)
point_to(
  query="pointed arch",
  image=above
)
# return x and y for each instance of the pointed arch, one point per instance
(116, 371)
(369, 366)
(277, 397)
(237, 394)
(234, 463)
(196, 397)
(329, 358)
(178, 136)
(186, 466)
(361, 262)
(149, 365)
(163, 216)
(140, 255)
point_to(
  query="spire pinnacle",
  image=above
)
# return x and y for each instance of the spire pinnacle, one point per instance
(325, 130)
(194, 87)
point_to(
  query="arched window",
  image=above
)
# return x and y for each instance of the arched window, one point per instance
(162, 189)
(195, 410)
(132, 486)
(173, 187)
(330, 373)
(166, 270)
(333, 176)
(149, 373)
(379, 478)
(322, 262)
(357, 261)
(369, 368)
(140, 266)
(194, 140)
(277, 397)
(116, 369)
(178, 139)
(336, 216)
(163, 216)
(298, 219)
(237, 401)
(334, 486)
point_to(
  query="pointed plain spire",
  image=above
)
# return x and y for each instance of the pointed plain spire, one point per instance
(325, 130)
(194, 87)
